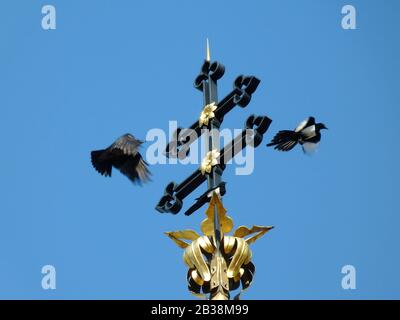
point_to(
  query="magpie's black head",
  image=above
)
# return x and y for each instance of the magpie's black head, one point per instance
(321, 126)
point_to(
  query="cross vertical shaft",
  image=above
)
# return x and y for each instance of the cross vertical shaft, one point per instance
(212, 142)
(219, 281)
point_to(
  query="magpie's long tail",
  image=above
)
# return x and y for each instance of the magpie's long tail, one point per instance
(284, 140)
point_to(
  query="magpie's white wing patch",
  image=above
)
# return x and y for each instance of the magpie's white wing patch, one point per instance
(310, 121)
(309, 132)
(309, 147)
(301, 125)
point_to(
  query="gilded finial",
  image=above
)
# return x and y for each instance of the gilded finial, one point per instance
(213, 273)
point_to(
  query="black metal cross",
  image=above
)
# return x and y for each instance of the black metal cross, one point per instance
(255, 127)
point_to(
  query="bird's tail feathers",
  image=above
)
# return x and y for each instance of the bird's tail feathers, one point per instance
(102, 166)
(284, 140)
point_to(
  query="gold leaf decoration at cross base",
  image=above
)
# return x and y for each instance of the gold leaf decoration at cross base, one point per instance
(206, 266)
(176, 236)
(226, 222)
(209, 161)
(207, 114)
(243, 231)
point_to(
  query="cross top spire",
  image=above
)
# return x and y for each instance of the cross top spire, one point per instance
(208, 54)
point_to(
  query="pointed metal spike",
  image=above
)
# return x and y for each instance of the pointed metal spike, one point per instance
(208, 54)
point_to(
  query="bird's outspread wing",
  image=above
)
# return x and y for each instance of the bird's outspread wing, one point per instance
(136, 169)
(128, 159)
(127, 143)
(305, 123)
(308, 132)
(101, 162)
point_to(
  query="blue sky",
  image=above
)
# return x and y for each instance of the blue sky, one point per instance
(128, 66)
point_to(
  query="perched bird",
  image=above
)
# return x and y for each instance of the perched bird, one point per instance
(307, 134)
(123, 155)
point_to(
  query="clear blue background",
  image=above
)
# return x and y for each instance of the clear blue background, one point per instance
(113, 67)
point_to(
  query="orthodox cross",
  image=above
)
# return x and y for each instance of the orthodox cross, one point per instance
(218, 263)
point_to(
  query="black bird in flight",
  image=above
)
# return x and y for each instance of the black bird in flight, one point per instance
(123, 155)
(307, 134)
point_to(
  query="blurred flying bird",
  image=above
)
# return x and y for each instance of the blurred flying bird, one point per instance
(307, 134)
(123, 155)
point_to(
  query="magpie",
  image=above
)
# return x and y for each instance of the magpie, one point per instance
(123, 155)
(307, 134)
